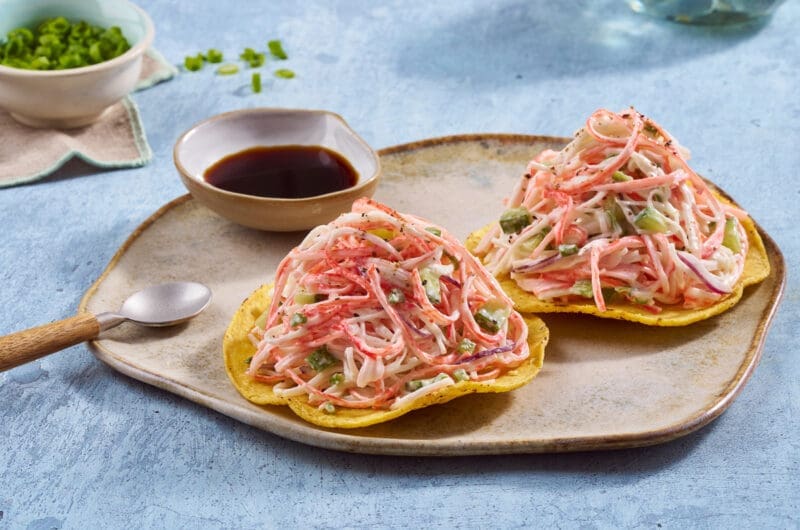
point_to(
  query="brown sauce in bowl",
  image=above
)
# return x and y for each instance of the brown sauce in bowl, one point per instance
(285, 172)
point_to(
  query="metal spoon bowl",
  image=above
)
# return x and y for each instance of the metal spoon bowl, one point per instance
(160, 305)
(166, 304)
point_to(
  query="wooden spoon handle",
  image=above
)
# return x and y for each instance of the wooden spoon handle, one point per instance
(28, 345)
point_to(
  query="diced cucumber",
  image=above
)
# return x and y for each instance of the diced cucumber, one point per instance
(651, 220)
(731, 237)
(430, 281)
(515, 219)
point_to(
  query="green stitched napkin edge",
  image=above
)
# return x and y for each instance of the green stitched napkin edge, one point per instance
(139, 137)
(168, 71)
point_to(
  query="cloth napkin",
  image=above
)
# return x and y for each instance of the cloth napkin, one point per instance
(116, 140)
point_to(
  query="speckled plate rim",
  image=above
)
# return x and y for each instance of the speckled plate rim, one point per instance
(340, 440)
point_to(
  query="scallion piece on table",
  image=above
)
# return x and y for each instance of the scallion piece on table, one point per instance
(276, 49)
(191, 63)
(252, 57)
(284, 73)
(227, 69)
(257, 60)
(214, 56)
(256, 82)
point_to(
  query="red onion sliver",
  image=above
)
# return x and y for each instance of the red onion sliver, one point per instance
(451, 281)
(540, 264)
(486, 353)
(712, 282)
(415, 329)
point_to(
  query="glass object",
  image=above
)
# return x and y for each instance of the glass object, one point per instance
(706, 11)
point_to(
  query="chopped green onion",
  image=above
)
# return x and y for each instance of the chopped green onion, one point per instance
(40, 63)
(416, 384)
(527, 247)
(337, 378)
(433, 230)
(731, 237)
(257, 60)
(298, 319)
(650, 220)
(252, 57)
(396, 296)
(321, 359)
(284, 73)
(276, 49)
(619, 176)
(492, 316)
(248, 360)
(432, 285)
(227, 69)
(515, 219)
(567, 249)
(329, 407)
(57, 44)
(461, 375)
(214, 56)
(304, 298)
(191, 63)
(256, 82)
(635, 296)
(465, 346)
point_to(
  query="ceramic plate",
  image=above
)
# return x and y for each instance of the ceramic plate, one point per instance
(605, 384)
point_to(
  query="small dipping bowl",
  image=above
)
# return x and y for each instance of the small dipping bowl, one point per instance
(233, 132)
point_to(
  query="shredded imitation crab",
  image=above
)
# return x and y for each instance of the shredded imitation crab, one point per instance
(618, 215)
(378, 308)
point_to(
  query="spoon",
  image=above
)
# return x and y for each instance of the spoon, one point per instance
(160, 305)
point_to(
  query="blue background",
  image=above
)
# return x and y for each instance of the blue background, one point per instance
(83, 446)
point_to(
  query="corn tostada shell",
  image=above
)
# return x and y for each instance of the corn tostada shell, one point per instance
(237, 349)
(756, 269)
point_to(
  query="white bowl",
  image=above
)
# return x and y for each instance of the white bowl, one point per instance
(78, 96)
(232, 132)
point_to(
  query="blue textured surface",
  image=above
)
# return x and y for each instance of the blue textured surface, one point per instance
(83, 446)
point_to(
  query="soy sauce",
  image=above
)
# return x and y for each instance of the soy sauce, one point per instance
(286, 172)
